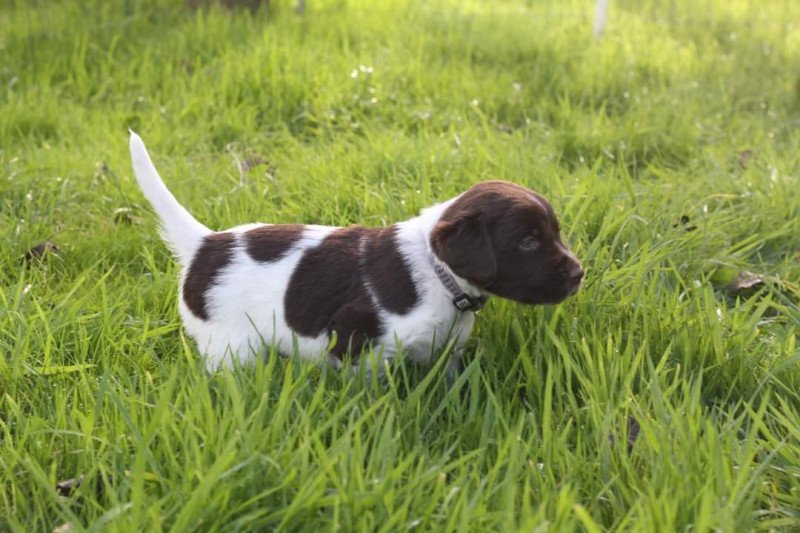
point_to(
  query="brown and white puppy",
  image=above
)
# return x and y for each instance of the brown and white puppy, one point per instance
(322, 292)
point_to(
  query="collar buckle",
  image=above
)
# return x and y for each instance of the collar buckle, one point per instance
(465, 302)
(461, 300)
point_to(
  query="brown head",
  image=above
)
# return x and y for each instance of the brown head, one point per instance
(506, 240)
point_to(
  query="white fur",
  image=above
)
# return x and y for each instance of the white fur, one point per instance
(246, 303)
(180, 229)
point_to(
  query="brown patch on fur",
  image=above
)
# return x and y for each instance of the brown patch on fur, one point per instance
(387, 272)
(271, 243)
(480, 238)
(212, 256)
(327, 292)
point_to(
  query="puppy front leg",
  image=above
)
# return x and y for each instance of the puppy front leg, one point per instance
(355, 325)
(455, 366)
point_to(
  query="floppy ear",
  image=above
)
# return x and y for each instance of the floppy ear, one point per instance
(464, 245)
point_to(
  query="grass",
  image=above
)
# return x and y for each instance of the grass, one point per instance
(684, 116)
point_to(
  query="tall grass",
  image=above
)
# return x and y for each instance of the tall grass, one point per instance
(655, 399)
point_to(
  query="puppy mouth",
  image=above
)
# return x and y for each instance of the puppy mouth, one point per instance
(573, 288)
(566, 291)
(569, 289)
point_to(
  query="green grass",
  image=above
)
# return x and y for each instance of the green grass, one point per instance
(682, 109)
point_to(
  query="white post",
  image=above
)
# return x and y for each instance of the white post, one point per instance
(600, 15)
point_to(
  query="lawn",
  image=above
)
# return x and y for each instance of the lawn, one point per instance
(662, 397)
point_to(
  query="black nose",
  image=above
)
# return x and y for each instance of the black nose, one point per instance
(576, 272)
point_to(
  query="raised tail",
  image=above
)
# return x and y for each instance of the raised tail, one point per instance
(181, 231)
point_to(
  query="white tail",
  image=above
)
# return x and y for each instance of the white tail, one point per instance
(182, 232)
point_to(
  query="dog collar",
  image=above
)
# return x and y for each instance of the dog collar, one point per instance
(461, 300)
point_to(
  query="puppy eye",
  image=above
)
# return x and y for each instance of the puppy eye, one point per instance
(529, 244)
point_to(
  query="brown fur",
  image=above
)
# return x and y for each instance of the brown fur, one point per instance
(212, 256)
(388, 274)
(271, 243)
(328, 289)
(479, 237)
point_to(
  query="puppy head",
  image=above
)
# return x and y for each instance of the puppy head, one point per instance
(505, 239)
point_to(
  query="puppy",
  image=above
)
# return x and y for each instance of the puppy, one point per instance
(324, 292)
